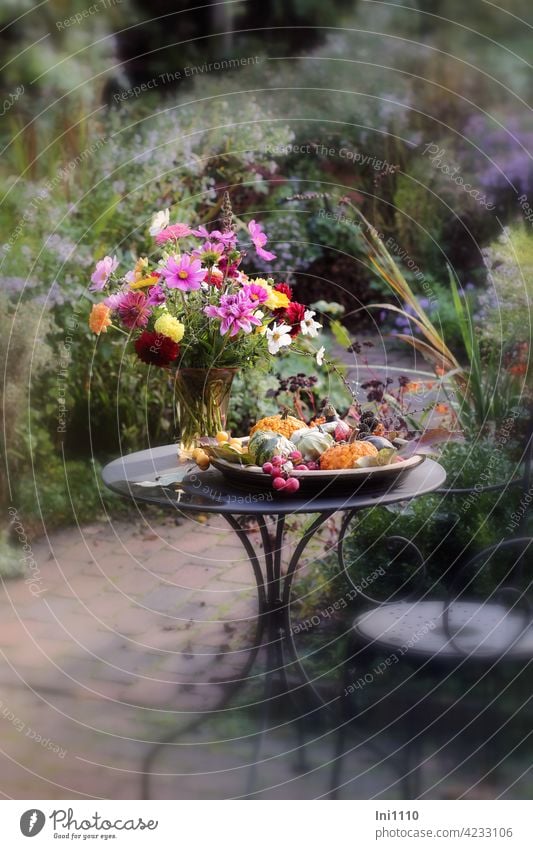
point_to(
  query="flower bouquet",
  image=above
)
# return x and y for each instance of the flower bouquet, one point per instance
(193, 311)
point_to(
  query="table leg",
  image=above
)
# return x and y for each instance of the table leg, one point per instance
(234, 686)
(274, 598)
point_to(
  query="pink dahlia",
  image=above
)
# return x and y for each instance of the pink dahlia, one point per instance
(134, 309)
(183, 273)
(236, 313)
(172, 232)
(103, 271)
(260, 239)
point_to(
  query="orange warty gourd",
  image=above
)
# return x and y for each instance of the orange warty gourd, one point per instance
(280, 423)
(344, 456)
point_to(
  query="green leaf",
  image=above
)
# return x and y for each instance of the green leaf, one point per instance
(340, 333)
(100, 223)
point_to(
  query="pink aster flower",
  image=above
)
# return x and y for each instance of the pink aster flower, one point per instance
(113, 301)
(103, 271)
(173, 231)
(183, 273)
(133, 309)
(260, 239)
(156, 296)
(236, 313)
(255, 293)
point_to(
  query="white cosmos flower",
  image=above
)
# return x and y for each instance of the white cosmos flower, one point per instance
(160, 220)
(319, 356)
(309, 326)
(278, 336)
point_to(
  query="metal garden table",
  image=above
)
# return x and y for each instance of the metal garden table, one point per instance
(209, 492)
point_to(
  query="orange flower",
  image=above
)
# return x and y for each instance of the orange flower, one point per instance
(442, 409)
(99, 319)
(518, 369)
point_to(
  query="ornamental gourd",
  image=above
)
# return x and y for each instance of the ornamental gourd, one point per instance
(346, 456)
(265, 444)
(281, 423)
(333, 424)
(311, 442)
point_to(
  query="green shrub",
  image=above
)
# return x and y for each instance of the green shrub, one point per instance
(447, 529)
(506, 307)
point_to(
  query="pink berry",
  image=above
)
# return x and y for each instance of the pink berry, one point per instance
(268, 468)
(277, 460)
(279, 483)
(276, 472)
(295, 456)
(312, 466)
(292, 485)
(301, 468)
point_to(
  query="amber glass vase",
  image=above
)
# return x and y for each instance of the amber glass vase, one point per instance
(202, 397)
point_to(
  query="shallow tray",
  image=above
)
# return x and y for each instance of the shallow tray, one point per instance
(377, 477)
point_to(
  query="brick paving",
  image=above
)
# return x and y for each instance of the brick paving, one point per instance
(137, 629)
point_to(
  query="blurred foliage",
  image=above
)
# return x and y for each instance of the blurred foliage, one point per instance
(81, 173)
(506, 306)
(26, 356)
(449, 530)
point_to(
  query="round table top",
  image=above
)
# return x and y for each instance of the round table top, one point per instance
(209, 492)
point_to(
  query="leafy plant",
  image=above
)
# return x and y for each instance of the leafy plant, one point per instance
(482, 394)
(447, 529)
(491, 392)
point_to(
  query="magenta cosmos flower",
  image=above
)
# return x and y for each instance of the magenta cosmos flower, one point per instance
(236, 313)
(133, 308)
(103, 271)
(183, 273)
(260, 239)
(228, 239)
(173, 231)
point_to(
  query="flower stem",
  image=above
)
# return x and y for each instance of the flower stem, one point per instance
(330, 364)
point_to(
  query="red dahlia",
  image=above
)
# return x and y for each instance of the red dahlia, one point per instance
(156, 349)
(284, 289)
(294, 314)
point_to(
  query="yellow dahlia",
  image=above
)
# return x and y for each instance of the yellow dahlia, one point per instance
(169, 326)
(145, 281)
